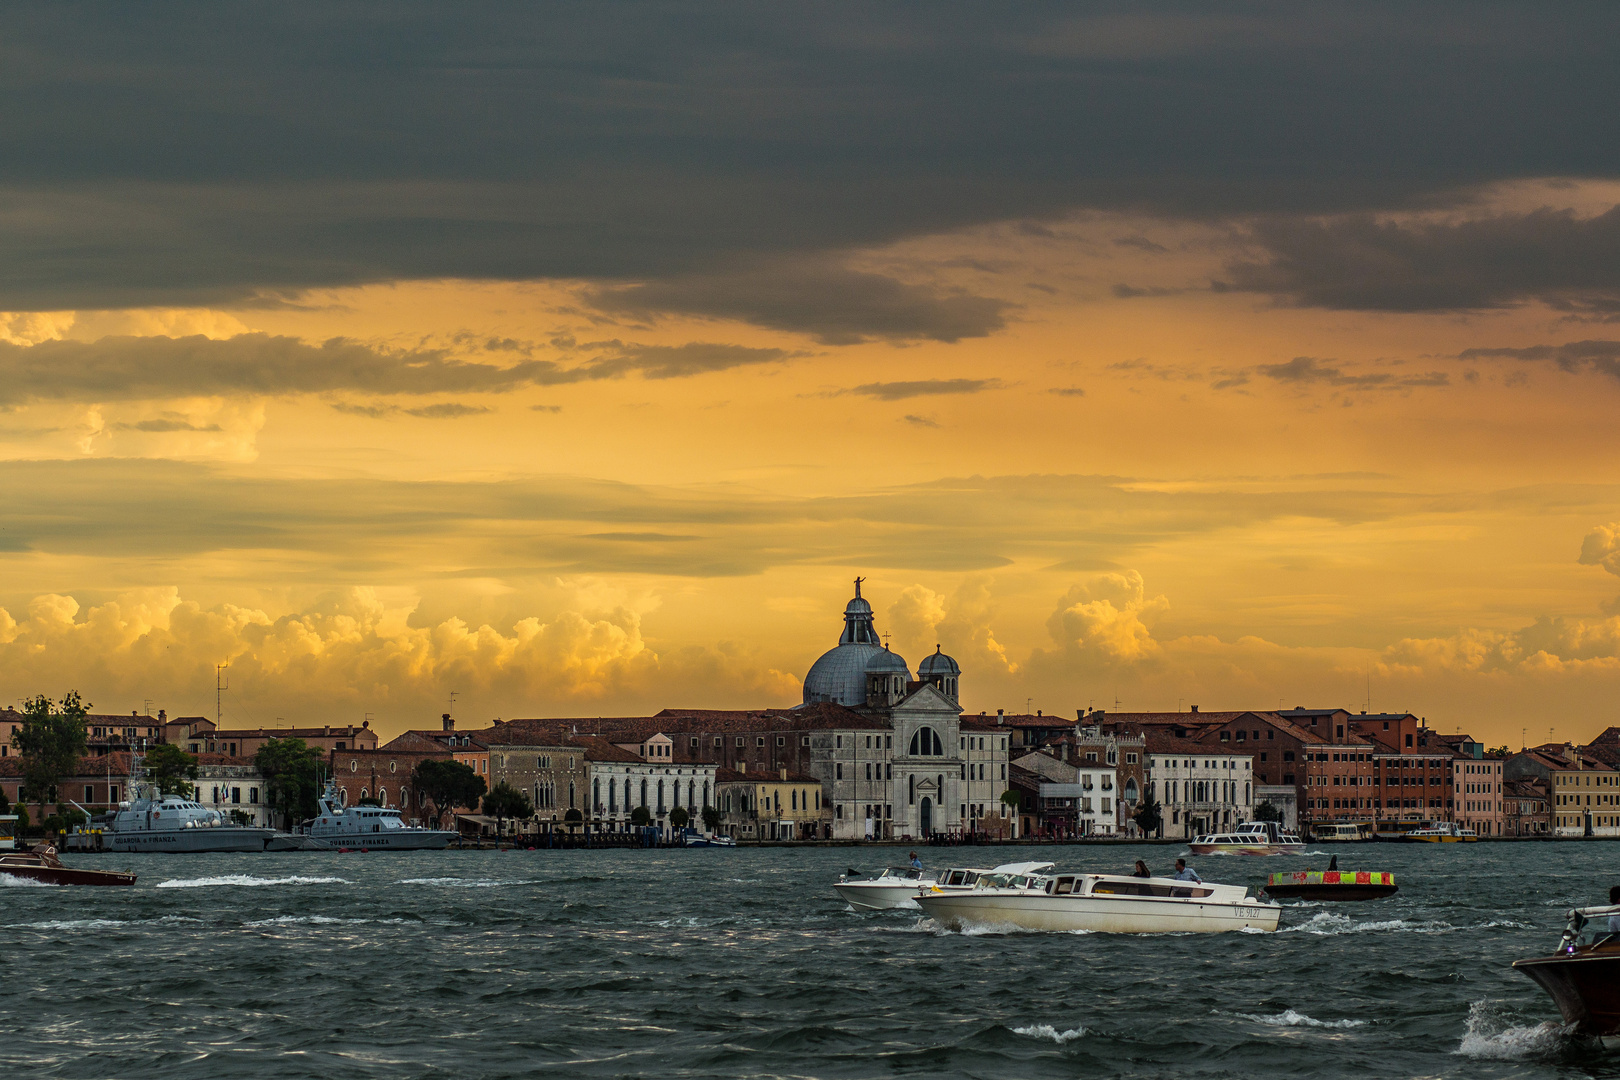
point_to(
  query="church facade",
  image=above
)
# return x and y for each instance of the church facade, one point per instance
(918, 769)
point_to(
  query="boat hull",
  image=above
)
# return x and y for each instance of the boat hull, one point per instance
(389, 840)
(1586, 989)
(878, 897)
(62, 875)
(1107, 915)
(1331, 892)
(195, 841)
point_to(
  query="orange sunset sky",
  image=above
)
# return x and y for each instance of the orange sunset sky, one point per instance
(575, 365)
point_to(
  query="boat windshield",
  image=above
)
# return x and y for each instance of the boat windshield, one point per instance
(1590, 927)
(957, 877)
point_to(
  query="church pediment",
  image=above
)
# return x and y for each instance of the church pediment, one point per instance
(928, 699)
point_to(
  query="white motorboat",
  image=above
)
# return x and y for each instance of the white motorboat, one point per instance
(693, 838)
(1105, 903)
(898, 886)
(1249, 838)
(370, 828)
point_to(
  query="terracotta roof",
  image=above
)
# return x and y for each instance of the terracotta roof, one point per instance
(1161, 743)
(596, 749)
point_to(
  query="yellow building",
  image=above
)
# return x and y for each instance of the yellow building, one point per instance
(783, 806)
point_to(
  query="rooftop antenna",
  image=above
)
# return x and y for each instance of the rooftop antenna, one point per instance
(1369, 691)
(221, 684)
(147, 711)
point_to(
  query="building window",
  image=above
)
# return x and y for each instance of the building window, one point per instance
(780, 741)
(760, 741)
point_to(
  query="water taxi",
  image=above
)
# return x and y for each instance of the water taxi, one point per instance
(42, 865)
(1249, 838)
(1104, 903)
(1583, 974)
(1341, 834)
(1440, 832)
(898, 886)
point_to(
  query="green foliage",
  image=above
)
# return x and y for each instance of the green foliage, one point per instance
(1267, 812)
(240, 817)
(505, 802)
(641, 817)
(51, 740)
(678, 817)
(171, 770)
(711, 818)
(1499, 752)
(1010, 799)
(5, 803)
(292, 770)
(64, 821)
(1148, 817)
(23, 824)
(447, 784)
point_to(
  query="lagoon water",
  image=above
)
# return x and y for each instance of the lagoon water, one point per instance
(743, 963)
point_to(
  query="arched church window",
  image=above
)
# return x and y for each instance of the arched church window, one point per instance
(926, 743)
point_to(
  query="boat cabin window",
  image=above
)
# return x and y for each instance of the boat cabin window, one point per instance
(1062, 886)
(1142, 888)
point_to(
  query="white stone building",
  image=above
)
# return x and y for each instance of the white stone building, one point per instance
(1200, 788)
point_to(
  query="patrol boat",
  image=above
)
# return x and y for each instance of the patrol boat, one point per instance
(166, 823)
(370, 828)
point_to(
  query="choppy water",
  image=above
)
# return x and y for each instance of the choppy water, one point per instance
(716, 963)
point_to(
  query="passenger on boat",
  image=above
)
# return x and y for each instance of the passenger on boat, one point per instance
(916, 863)
(1186, 873)
(1141, 870)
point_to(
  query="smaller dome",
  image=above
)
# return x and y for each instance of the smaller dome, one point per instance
(938, 664)
(887, 663)
(858, 606)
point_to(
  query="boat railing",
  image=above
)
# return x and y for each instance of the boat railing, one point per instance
(1591, 926)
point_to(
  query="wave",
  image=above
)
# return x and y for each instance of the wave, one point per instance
(1331, 924)
(73, 924)
(247, 880)
(10, 881)
(1490, 1036)
(1292, 1018)
(466, 883)
(1047, 1031)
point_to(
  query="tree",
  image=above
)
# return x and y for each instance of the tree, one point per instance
(447, 784)
(505, 802)
(5, 803)
(711, 818)
(1499, 752)
(1148, 818)
(171, 770)
(678, 817)
(1267, 811)
(51, 740)
(640, 817)
(292, 771)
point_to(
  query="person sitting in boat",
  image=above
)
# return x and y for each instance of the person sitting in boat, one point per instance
(1186, 873)
(1141, 870)
(916, 863)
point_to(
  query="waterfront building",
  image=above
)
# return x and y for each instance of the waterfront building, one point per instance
(620, 780)
(200, 735)
(103, 781)
(1201, 785)
(543, 762)
(784, 806)
(1073, 797)
(1476, 786)
(1526, 807)
(1584, 792)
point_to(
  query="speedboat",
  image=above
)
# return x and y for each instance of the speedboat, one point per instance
(42, 865)
(693, 838)
(1583, 974)
(370, 828)
(1249, 838)
(1105, 903)
(898, 886)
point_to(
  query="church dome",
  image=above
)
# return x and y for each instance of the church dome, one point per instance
(839, 675)
(938, 664)
(888, 663)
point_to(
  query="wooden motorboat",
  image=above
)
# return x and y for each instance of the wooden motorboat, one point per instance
(1331, 885)
(42, 865)
(1583, 973)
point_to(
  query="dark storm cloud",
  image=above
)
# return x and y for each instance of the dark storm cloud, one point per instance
(1305, 370)
(123, 368)
(831, 303)
(896, 391)
(180, 154)
(1600, 356)
(1361, 263)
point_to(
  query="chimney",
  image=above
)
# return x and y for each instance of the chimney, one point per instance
(1194, 708)
(366, 724)
(1037, 712)
(1000, 719)
(449, 724)
(163, 716)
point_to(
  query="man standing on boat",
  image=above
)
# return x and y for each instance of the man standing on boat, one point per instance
(1186, 873)
(916, 863)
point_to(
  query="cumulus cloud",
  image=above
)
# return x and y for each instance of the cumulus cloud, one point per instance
(923, 619)
(1108, 618)
(1361, 262)
(1601, 547)
(831, 303)
(354, 652)
(142, 368)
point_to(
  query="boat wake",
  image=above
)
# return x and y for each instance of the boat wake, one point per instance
(9, 881)
(1047, 1031)
(466, 883)
(247, 881)
(1491, 1036)
(1292, 1018)
(1331, 924)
